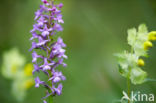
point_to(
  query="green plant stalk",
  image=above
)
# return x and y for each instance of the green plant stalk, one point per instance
(51, 99)
(128, 88)
(129, 85)
(129, 82)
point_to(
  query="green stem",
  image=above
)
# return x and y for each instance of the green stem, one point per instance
(129, 81)
(51, 99)
(128, 88)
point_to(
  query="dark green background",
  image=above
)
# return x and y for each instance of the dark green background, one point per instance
(93, 31)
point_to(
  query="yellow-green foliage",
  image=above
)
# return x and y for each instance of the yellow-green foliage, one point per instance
(14, 68)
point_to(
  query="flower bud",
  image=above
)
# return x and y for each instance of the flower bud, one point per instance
(152, 36)
(141, 62)
(147, 45)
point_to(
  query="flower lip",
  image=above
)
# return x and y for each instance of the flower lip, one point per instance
(36, 68)
(38, 13)
(57, 76)
(34, 35)
(45, 31)
(58, 90)
(35, 56)
(38, 82)
(46, 65)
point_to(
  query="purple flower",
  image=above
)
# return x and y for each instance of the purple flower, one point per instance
(60, 5)
(36, 68)
(46, 65)
(58, 27)
(57, 77)
(39, 44)
(41, 41)
(41, 21)
(35, 56)
(57, 12)
(51, 52)
(38, 82)
(34, 35)
(58, 49)
(38, 14)
(60, 42)
(45, 2)
(33, 46)
(35, 28)
(59, 18)
(44, 101)
(52, 9)
(60, 61)
(46, 30)
(58, 90)
(43, 8)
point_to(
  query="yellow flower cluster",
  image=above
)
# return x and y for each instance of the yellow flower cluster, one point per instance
(28, 73)
(151, 37)
(130, 63)
(148, 44)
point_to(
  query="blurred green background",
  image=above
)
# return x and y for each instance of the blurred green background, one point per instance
(93, 31)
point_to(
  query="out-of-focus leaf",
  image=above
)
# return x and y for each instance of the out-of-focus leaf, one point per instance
(138, 76)
(142, 36)
(142, 28)
(126, 60)
(150, 80)
(132, 36)
(12, 61)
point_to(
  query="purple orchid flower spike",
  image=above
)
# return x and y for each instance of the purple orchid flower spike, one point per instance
(50, 52)
(38, 82)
